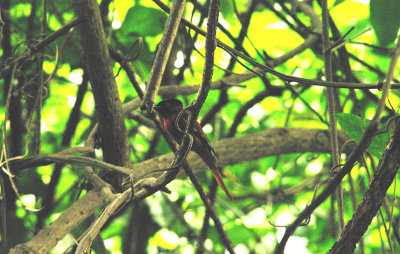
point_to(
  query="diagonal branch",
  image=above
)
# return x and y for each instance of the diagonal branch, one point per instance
(48, 237)
(107, 103)
(232, 151)
(265, 68)
(162, 54)
(373, 198)
(387, 170)
(364, 143)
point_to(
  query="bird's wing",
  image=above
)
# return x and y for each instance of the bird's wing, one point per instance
(198, 131)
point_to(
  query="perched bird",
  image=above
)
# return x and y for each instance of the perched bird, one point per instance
(169, 110)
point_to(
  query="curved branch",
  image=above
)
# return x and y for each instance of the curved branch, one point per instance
(231, 151)
(265, 68)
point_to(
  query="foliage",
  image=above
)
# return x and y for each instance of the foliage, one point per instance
(385, 20)
(271, 186)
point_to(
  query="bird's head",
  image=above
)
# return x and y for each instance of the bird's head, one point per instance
(169, 107)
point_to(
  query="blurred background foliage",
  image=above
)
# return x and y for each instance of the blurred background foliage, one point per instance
(273, 190)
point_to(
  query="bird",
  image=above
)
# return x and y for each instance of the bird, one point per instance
(169, 110)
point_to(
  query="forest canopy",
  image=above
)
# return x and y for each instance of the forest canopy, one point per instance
(299, 100)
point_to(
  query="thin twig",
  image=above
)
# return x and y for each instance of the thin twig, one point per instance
(331, 101)
(127, 66)
(45, 159)
(274, 72)
(362, 146)
(213, 13)
(44, 42)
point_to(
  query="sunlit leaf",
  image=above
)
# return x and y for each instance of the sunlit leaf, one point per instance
(354, 126)
(385, 19)
(144, 21)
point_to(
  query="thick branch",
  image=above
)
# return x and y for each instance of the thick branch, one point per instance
(373, 198)
(48, 237)
(108, 104)
(232, 151)
(270, 142)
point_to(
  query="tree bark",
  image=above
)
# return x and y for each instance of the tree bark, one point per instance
(373, 198)
(107, 103)
(231, 151)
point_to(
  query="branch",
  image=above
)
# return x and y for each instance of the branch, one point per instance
(213, 12)
(107, 103)
(270, 70)
(162, 54)
(86, 242)
(387, 170)
(232, 151)
(332, 107)
(373, 198)
(46, 159)
(43, 43)
(271, 142)
(364, 143)
(48, 237)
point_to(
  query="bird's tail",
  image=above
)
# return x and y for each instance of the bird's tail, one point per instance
(217, 176)
(207, 157)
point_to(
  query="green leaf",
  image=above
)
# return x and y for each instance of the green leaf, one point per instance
(227, 10)
(385, 19)
(379, 143)
(144, 21)
(239, 234)
(352, 124)
(337, 2)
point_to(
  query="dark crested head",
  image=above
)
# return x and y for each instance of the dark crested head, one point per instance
(168, 107)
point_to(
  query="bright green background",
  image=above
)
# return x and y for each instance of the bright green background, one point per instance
(247, 222)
